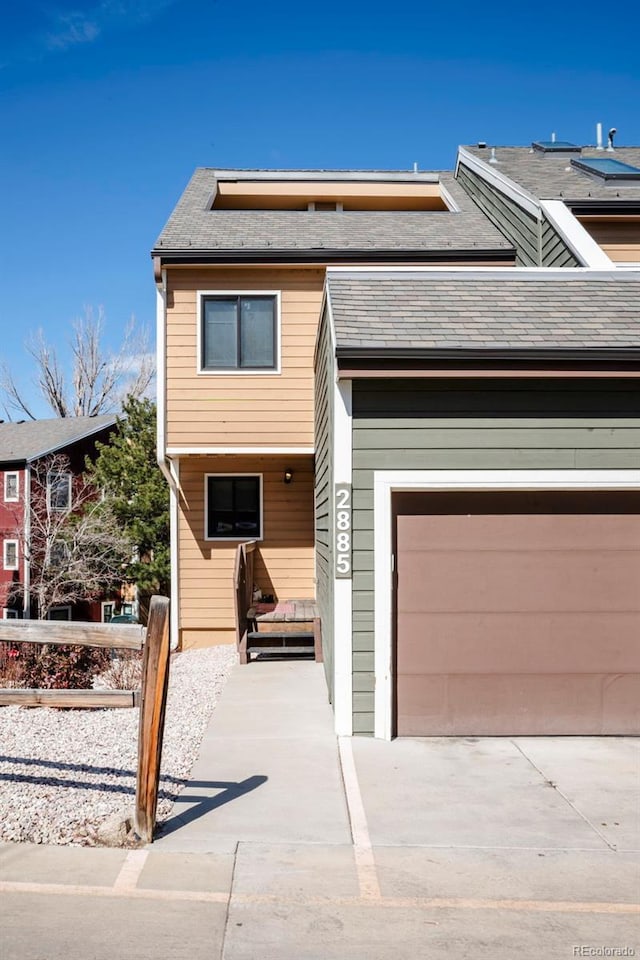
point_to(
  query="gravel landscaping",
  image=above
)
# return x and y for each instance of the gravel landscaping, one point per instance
(65, 772)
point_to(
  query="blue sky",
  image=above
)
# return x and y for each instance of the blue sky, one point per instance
(107, 108)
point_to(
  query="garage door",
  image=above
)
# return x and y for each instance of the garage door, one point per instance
(517, 613)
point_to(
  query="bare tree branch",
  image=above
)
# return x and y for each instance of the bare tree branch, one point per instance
(99, 381)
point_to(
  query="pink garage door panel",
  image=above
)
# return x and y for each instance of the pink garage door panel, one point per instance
(518, 623)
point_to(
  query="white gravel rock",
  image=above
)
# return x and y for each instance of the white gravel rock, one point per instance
(65, 772)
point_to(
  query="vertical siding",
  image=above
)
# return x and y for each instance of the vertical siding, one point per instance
(520, 227)
(242, 409)
(285, 562)
(477, 425)
(324, 379)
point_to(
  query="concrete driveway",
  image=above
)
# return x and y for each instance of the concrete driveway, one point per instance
(290, 845)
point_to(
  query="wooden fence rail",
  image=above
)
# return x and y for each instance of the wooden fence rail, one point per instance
(154, 641)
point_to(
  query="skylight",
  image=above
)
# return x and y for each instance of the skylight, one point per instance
(555, 146)
(607, 168)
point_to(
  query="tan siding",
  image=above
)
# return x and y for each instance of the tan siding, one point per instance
(619, 238)
(622, 253)
(285, 561)
(231, 410)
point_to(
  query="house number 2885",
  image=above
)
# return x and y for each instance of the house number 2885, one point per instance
(343, 530)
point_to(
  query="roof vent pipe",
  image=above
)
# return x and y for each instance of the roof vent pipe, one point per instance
(610, 137)
(415, 167)
(599, 137)
(553, 138)
(493, 158)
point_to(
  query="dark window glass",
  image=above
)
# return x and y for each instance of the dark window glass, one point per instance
(233, 507)
(59, 613)
(239, 333)
(59, 485)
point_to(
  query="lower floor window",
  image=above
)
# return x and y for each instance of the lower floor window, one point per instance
(233, 507)
(59, 613)
(108, 611)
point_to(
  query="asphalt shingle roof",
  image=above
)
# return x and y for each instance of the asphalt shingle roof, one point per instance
(20, 442)
(194, 227)
(547, 176)
(484, 310)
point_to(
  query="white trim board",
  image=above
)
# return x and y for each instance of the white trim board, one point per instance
(386, 482)
(174, 556)
(500, 181)
(343, 588)
(240, 451)
(579, 241)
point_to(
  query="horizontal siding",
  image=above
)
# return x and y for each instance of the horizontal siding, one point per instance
(620, 239)
(622, 253)
(232, 410)
(516, 224)
(285, 561)
(477, 425)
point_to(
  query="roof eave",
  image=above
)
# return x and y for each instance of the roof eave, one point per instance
(70, 441)
(582, 206)
(323, 255)
(481, 355)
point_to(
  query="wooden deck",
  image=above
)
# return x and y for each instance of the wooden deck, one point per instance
(285, 611)
(279, 635)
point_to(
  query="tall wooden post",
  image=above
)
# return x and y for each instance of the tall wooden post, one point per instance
(155, 679)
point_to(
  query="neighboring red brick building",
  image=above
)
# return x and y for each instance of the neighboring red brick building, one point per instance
(21, 446)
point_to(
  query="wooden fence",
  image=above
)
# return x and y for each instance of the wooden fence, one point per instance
(154, 641)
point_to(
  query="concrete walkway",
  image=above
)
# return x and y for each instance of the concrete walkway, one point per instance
(268, 768)
(287, 845)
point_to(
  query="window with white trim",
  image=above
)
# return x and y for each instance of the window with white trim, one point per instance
(10, 554)
(59, 491)
(233, 507)
(108, 611)
(239, 332)
(9, 613)
(11, 487)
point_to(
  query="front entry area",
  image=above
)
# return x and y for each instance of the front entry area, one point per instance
(517, 613)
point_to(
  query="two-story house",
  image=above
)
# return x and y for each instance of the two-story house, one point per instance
(438, 445)
(240, 270)
(22, 446)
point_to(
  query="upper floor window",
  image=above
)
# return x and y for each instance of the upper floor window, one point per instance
(11, 487)
(59, 491)
(239, 332)
(10, 555)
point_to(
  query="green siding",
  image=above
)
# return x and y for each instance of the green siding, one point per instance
(536, 242)
(324, 378)
(518, 226)
(555, 252)
(510, 424)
